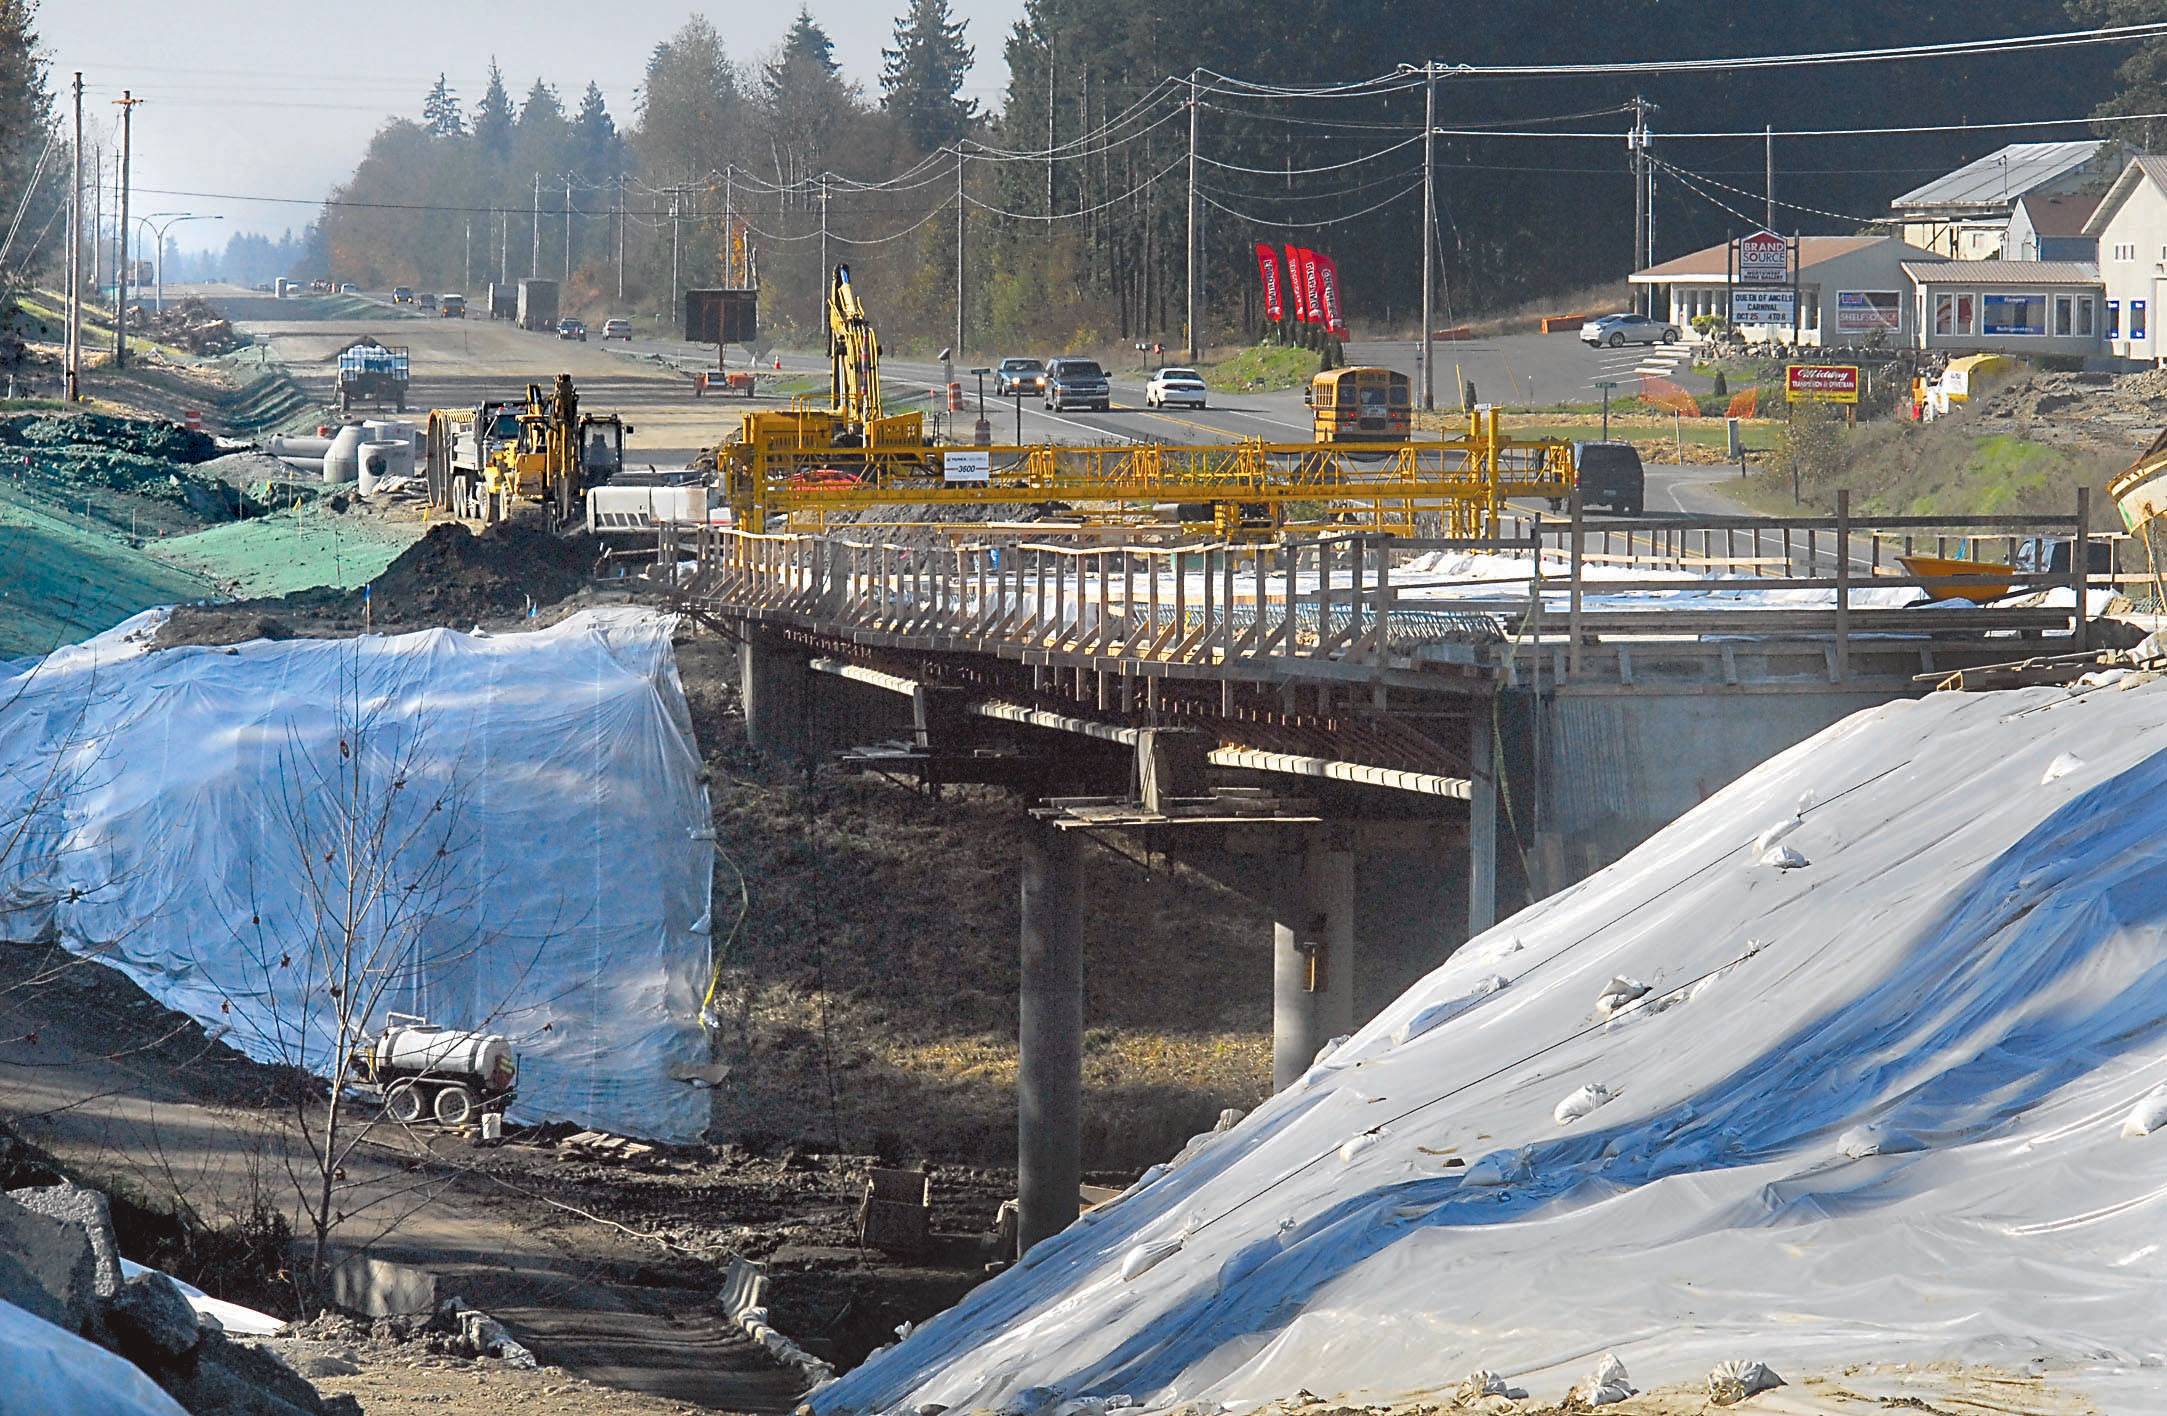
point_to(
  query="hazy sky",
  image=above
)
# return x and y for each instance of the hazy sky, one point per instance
(260, 99)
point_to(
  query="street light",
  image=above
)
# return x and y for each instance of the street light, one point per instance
(175, 218)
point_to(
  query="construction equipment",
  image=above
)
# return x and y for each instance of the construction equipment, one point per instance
(483, 461)
(801, 467)
(372, 373)
(416, 1070)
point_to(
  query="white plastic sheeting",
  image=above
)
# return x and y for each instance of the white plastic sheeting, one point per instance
(50, 1371)
(570, 913)
(1871, 1110)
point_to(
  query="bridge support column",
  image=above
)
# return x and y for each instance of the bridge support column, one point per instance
(1481, 826)
(775, 690)
(1049, 1080)
(1312, 961)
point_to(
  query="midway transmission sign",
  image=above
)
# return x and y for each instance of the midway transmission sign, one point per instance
(1821, 383)
(1764, 259)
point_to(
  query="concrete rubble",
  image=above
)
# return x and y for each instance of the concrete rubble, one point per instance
(60, 1263)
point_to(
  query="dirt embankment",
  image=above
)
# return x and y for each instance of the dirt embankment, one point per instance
(452, 577)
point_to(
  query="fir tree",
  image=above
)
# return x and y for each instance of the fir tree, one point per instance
(440, 111)
(493, 116)
(922, 77)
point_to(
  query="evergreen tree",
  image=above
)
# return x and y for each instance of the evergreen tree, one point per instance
(493, 116)
(594, 135)
(541, 111)
(807, 101)
(440, 111)
(922, 77)
(2142, 78)
(26, 104)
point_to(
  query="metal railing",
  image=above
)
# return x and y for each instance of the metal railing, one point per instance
(1291, 606)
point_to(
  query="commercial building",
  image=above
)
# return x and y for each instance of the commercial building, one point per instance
(1965, 215)
(2008, 307)
(1852, 290)
(2051, 228)
(2130, 226)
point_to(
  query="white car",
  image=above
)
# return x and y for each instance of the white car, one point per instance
(1618, 331)
(1184, 386)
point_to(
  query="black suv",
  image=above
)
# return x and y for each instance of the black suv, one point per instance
(1610, 474)
(1079, 383)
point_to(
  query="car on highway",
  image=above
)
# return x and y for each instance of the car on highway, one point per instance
(1018, 376)
(617, 329)
(1610, 474)
(1077, 383)
(1183, 386)
(569, 328)
(402, 294)
(452, 307)
(1618, 331)
(347, 287)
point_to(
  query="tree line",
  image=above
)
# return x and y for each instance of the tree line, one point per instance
(1075, 188)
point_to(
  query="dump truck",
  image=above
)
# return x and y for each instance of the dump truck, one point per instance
(485, 460)
(417, 1070)
(538, 304)
(372, 373)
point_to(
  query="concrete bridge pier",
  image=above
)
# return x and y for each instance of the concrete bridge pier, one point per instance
(1313, 963)
(775, 690)
(1049, 1075)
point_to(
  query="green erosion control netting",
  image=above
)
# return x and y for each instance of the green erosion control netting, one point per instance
(63, 578)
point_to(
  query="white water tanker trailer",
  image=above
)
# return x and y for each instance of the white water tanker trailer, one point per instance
(418, 1070)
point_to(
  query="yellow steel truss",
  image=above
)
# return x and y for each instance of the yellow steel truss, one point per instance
(784, 473)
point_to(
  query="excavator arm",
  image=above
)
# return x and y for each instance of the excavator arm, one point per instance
(853, 356)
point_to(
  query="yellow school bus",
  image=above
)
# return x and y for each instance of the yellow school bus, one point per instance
(1359, 405)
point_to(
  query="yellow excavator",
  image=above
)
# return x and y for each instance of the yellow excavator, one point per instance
(848, 441)
(484, 460)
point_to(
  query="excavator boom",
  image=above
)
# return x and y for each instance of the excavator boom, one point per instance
(853, 355)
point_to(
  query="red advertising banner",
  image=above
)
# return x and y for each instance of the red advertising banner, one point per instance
(1275, 307)
(1822, 383)
(1294, 282)
(1312, 291)
(1328, 283)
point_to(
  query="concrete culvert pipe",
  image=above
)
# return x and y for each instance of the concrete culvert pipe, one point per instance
(293, 445)
(378, 460)
(342, 463)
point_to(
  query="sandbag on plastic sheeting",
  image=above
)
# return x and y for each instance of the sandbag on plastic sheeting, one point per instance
(1607, 1384)
(1446, 1011)
(1732, 1382)
(2149, 1114)
(1581, 1102)
(571, 915)
(52, 1372)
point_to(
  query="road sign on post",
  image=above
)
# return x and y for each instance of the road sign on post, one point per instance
(1821, 383)
(1764, 258)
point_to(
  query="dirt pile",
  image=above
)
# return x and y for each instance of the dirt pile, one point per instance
(451, 577)
(140, 474)
(2110, 410)
(193, 324)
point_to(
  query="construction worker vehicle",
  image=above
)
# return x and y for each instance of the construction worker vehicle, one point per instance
(484, 461)
(417, 1070)
(372, 373)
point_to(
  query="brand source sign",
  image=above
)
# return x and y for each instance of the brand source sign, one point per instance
(966, 466)
(1762, 307)
(1764, 259)
(1821, 383)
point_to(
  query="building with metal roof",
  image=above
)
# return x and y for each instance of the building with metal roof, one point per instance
(1965, 214)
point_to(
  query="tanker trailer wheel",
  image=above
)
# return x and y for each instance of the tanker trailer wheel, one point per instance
(403, 1103)
(456, 1105)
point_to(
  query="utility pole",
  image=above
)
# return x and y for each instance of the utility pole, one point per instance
(1637, 145)
(75, 256)
(620, 237)
(534, 259)
(504, 249)
(825, 268)
(729, 229)
(127, 102)
(1194, 343)
(1429, 234)
(1768, 179)
(675, 193)
(466, 272)
(567, 228)
(97, 224)
(1051, 90)
(959, 249)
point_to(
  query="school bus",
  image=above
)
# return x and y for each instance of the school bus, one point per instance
(1359, 405)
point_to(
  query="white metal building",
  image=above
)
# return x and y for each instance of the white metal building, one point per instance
(2008, 307)
(2131, 227)
(1964, 215)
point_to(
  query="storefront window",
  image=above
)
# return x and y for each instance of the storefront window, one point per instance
(2114, 319)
